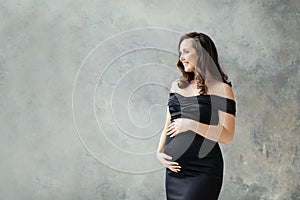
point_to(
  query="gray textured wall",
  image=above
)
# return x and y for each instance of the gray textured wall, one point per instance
(50, 148)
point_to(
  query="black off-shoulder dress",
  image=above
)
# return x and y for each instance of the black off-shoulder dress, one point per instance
(201, 160)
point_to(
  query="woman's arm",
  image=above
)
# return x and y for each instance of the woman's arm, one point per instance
(223, 132)
(162, 140)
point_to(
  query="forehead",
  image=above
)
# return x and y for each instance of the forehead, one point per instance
(186, 44)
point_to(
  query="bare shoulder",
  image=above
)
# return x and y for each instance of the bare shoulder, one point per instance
(225, 90)
(228, 91)
(174, 85)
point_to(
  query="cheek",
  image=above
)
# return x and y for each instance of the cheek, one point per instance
(192, 59)
(192, 63)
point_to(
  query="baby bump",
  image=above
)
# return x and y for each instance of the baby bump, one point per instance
(180, 145)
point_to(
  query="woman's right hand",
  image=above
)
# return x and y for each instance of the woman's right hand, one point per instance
(164, 159)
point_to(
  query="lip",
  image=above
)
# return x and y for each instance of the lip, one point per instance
(185, 63)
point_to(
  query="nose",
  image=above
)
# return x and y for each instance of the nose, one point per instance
(181, 58)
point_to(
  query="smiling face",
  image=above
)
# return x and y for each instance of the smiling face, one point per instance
(188, 55)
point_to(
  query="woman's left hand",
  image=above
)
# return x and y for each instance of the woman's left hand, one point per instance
(177, 126)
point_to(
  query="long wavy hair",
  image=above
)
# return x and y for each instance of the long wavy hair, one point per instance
(207, 60)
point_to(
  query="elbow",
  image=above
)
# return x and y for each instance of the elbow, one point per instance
(228, 138)
(228, 141)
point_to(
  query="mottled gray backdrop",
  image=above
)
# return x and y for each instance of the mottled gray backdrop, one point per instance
(46, 150)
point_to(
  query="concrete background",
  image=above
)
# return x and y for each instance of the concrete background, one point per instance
(43, 44)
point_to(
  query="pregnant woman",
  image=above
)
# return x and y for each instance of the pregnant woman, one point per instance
(200, 115)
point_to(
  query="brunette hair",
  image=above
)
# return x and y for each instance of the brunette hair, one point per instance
(207, 60)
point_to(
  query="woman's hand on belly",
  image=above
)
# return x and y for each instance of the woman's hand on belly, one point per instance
(179, 125)
(164, 159)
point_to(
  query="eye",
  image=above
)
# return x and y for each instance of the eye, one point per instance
(184, 52)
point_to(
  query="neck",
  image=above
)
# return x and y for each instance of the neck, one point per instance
(210, 80)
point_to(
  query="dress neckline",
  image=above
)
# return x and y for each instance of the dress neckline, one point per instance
(199, 95)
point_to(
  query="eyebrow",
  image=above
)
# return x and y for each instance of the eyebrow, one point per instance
(184, 49)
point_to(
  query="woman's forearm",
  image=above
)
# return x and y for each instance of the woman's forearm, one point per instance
(212, 132)
(162, 139)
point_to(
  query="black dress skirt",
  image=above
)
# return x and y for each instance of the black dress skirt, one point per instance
(201, 160)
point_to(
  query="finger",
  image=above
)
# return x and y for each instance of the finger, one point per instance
(173, 165)
(170, 127)
(173, 134)
(167, 157)
(171, 131)
(171, 124)
(174, 169)
(168, 131)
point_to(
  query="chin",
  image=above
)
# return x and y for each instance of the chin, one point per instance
(188, 69)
